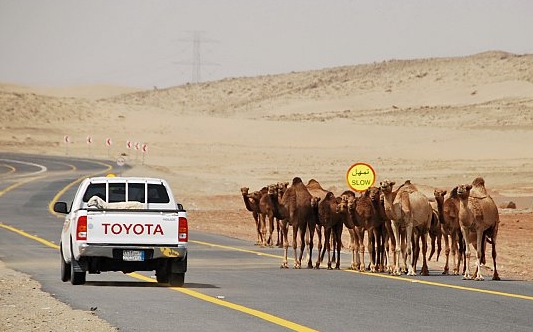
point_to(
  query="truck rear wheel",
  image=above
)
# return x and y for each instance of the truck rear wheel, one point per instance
(77, 273)
(65, 267)
(77, 278)
(176, 279)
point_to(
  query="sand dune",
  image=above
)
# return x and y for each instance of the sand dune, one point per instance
(438, 122)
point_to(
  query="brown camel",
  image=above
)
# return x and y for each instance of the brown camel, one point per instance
(435, 232)
(331, 213)
(449, 218)
(479, 219)
(319, 193)
(251, 202)
(374, 223)
(296, 209)
(268, 211)
(410, 208)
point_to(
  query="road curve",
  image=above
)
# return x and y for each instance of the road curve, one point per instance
(232, 284)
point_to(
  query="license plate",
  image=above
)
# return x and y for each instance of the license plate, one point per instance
(133, 255)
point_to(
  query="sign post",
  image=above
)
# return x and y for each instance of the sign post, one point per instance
(66, 139)
(108, 142)
(144, 148)
(360, 177)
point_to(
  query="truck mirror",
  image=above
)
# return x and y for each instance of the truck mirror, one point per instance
(60, 207)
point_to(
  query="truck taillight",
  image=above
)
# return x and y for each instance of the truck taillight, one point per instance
(81, 228)
(183, 230)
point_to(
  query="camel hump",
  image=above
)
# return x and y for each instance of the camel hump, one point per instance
(478, 188)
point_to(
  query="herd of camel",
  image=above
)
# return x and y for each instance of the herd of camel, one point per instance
(395, 220)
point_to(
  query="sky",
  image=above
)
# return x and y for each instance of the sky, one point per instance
(165, 43)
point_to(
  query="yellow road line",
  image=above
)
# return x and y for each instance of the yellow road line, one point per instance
(68, 186)
(29, 236)
(404, 279)
(259, 314)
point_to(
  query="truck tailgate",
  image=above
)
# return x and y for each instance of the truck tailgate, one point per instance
(132, 227)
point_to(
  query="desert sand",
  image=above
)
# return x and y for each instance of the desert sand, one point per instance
(438, 122)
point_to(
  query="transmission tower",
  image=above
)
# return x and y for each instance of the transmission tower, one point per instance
(197, 61)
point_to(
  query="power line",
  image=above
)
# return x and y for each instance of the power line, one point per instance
(197, 62)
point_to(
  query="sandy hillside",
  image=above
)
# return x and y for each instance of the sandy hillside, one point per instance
(439, 122)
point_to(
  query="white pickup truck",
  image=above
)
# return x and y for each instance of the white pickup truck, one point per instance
(123, 224)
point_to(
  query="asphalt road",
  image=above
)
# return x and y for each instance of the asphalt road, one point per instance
(233, 285)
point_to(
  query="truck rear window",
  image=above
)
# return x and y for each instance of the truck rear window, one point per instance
(157, 193)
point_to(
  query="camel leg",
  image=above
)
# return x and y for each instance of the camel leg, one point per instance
(327, 244)
(466, 274)
(319, 248)
(371, 243)
(311, 231)
(495, 275)
(397, 249)
(352, 246)
(362, 265)
(297, 263)
(278, 232)
(439, 245)
(338, 236)
(455, 257)
(270, 230)
(284, 231)
(259, 240)
(480, 239)
(447, 254)
(409, 237)
(425, 269)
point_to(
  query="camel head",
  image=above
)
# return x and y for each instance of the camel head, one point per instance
(463, 191)
(373, 193)
(314, 201)
(386, 186)
(342, 205)
(244, 191)
(439, 195)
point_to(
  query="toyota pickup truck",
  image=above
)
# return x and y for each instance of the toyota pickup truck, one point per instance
(123, 224)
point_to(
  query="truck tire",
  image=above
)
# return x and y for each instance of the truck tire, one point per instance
(162, 275)
(65, 267)
(77, 273)
(176, 279)
(77, 278)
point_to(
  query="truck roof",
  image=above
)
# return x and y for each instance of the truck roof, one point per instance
(124, 179)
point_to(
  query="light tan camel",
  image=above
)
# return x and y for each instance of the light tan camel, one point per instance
(479, 219)
(297, 212)
(410, 208)
(448, 209)
(251, 202)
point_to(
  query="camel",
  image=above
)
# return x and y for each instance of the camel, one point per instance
(296, 210)
(251, 201)
(99, 203)
(410, 208)
(365, 218)
(479, 219)
(448, 210)
(332, 212)
(374, 223)
(318, 193)
(268, 208)
(435, 232)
